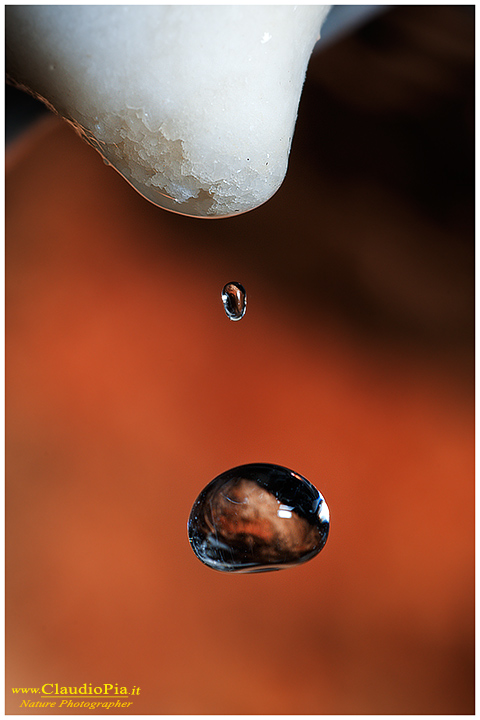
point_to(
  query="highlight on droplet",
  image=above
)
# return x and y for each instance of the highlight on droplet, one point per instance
(258, 517)
(234, 300)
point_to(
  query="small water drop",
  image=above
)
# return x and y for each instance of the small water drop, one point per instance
(234, 300)
(256, 518)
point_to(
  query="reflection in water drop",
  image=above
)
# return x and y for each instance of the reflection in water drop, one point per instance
(258, 517)
(234, 300)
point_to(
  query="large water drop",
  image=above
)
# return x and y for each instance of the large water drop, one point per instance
(234, 300)
(258, 517)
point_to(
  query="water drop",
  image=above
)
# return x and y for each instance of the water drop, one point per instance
(234, 300)
(258, 517)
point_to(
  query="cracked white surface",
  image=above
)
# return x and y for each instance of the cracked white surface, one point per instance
(194, 105)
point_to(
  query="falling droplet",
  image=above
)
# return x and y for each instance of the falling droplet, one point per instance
(258, 517)
(234, 300)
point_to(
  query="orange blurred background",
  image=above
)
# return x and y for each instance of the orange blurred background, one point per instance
(128, 390)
